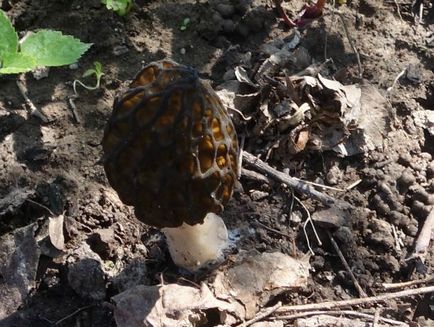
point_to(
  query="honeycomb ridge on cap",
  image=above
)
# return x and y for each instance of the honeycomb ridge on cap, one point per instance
(170, 148)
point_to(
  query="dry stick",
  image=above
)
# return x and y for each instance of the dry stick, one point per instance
(321, 185)
(422, 241)
(261, 315)
(253, 175)
(390, 286)
(33, 110)
(73, 107)
(339, 313)
(299, 186)
(398, 10)
(365, 300)
(376, 318)
(272, 229)
(73, 314)
(359, 63)
(401, 73)
(347, 266)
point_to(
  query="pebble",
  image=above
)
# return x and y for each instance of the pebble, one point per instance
(406, 180)
(120, 50)
(183, 51)
(405, 159)
(226, 10)
(87, 279)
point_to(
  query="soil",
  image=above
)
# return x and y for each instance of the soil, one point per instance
(57, 165)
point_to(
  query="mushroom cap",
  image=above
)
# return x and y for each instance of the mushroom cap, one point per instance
(170, 148)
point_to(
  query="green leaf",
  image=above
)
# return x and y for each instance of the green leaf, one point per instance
(52, 48)
(9, 38)
(89, 72)
(14, 63)
(121, 7)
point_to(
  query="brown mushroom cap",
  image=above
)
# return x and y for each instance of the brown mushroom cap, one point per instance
(170, 148)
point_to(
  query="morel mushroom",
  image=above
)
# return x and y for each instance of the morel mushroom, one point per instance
(171, 151)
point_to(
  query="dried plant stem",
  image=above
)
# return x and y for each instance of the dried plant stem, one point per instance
(376, 318)
(398, 10)
(73, 314)
(33, 110)
(424, 238)
(73, 107)
(350, 40)
(339, 313)
(271, 229)
(347, 266)
(253, 175)
(390, 286)
(351, 302)
(261, 315)
(297, 185)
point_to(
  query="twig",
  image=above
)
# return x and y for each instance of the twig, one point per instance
(376, 318)
(321, 185)
(42, 206)
(308, 220)
(33, 110)
(390, 286)
(349, 187)
(351, 302)
(423, 239)
(58, 322)
(272, 229)
(390, 88)
(254, 176)
(299, 186)
(421, 13)
(339, 313)
(350, 40)
(398, 10)
(347, 266)
(240, 161)
(74, 108)
(261, 315)
(245, 118)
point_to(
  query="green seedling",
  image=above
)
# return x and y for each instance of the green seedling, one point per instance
(185, 23)
(121, 7)
(43, 48)
(97, 71)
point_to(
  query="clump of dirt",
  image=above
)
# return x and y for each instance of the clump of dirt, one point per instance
(55, 169)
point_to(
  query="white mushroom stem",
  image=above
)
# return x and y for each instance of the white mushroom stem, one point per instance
(194, 247)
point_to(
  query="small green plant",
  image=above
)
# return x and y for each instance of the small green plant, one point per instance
(97, 71)
(121, 7)
(184, 24)
(43, 48)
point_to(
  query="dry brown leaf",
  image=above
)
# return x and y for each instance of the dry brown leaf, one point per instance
(258, 277)
(167, 305)
(55, 231)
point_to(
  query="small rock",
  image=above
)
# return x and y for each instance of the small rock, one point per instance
(40, 73)
(381, 233)
(73, 66)
(406, 180)
(334, 175)
(120, 50)
(87, 279)
(182, 51)
(405, 159)
(134, 274)
(102, 242)
(257, 195)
